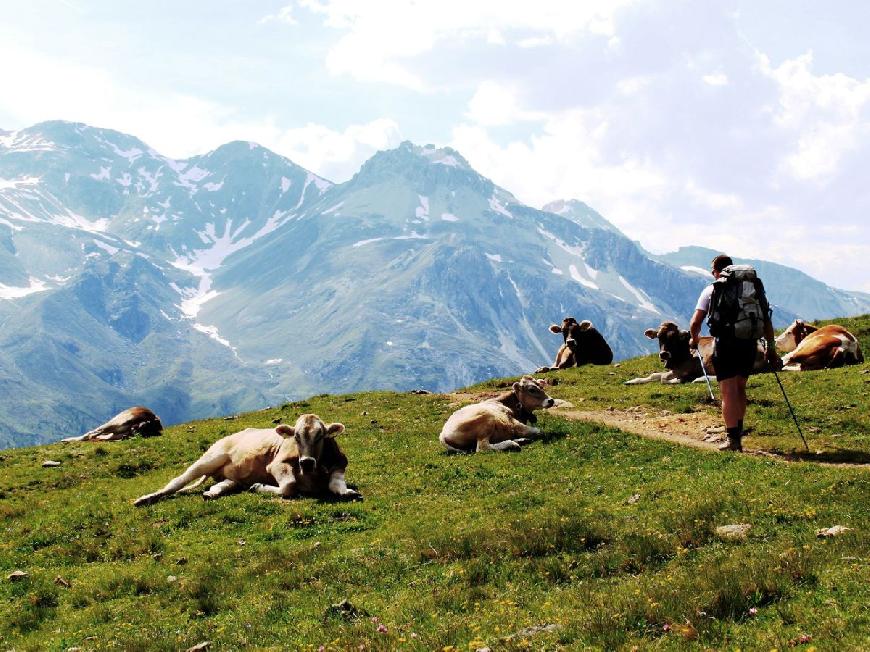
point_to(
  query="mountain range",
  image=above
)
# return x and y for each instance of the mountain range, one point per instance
(237, 279)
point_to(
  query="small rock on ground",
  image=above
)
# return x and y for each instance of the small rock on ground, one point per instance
(832, 531)
(733, 531)
(17, 576)
(50, 463)
(199, 647)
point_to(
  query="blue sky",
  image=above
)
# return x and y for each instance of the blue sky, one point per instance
(742, 126)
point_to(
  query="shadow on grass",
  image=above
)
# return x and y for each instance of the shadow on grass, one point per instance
(836, 456)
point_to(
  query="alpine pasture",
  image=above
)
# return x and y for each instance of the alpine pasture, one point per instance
(590, 538)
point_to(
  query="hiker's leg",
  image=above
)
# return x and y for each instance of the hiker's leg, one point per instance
(733, 404)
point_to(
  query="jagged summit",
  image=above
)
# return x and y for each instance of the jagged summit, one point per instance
(581, 213)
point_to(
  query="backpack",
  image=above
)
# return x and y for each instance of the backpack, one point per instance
(738, 306)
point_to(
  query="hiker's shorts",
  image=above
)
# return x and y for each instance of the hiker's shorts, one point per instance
(733, 357)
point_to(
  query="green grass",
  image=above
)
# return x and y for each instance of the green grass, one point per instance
(459, 551)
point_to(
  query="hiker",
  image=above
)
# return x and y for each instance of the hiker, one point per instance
(739, 316)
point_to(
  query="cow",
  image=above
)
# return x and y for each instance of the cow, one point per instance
(582, 344)
(809, 348)
(136, 420)
(681, 364)
(283, 461)
(499, 423)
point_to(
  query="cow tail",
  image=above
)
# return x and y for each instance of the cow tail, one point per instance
(193, 485)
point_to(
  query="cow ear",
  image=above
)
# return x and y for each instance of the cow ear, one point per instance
(334, 429)
(799, 322)
(555, 328)
(516, 387)
(585, 325)
(284, 430)
(651, 333)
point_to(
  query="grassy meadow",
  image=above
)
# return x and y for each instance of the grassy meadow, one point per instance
(588, 539)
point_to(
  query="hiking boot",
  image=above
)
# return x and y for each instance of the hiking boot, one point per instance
(733, 444)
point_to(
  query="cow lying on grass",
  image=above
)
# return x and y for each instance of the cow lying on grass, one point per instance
(582, 344)
(809, 348)
(498, 423)
(132, 421)
(683, 365)
(283, 461)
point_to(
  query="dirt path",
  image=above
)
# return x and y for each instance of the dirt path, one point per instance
(694, 429)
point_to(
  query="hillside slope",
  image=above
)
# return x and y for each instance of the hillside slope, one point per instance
(589, 538)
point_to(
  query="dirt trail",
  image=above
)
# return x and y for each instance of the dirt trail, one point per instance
(694, 429)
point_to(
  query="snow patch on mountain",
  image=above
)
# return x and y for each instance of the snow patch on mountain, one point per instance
(190, 177)
(642, 299)
(103, 175)
(23, 142)
(575, 275)
(496, 258)
(498, 207)
(449, 217)
(106, 247)
(422, 211)
(212, 332)
(130, 154)
(9, 292)
(441, 157)
(361, 243)
(574, 251)
(213, 187)
(695, 270)
(285, 184)
(6, 184)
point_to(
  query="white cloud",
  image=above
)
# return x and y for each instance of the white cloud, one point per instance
(495, 104)
(382, 37)
(175, 124)
(283, 15)
(716, 79)
(334, 154)
(827, 115)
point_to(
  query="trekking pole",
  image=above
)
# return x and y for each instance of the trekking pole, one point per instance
(706, 377)
(788, 403)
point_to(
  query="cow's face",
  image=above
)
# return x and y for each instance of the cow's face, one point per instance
(310, 433)
(532, 396)
(673, 343)
(571, 331)
(793, 335)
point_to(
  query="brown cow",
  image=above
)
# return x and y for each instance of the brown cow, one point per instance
(582, 344)
(498, 423)
(683, 366)
(136, 420)
(809, 348)
(283, 461)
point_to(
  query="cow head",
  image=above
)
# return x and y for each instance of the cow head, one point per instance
(310, 433)
(571, 331)
(531, 395)
(673, 344)
(793, 335)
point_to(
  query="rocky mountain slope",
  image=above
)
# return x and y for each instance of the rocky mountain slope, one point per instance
(237, 279)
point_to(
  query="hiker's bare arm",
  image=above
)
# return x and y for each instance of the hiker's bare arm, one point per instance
(772, 357)
(695, 327)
